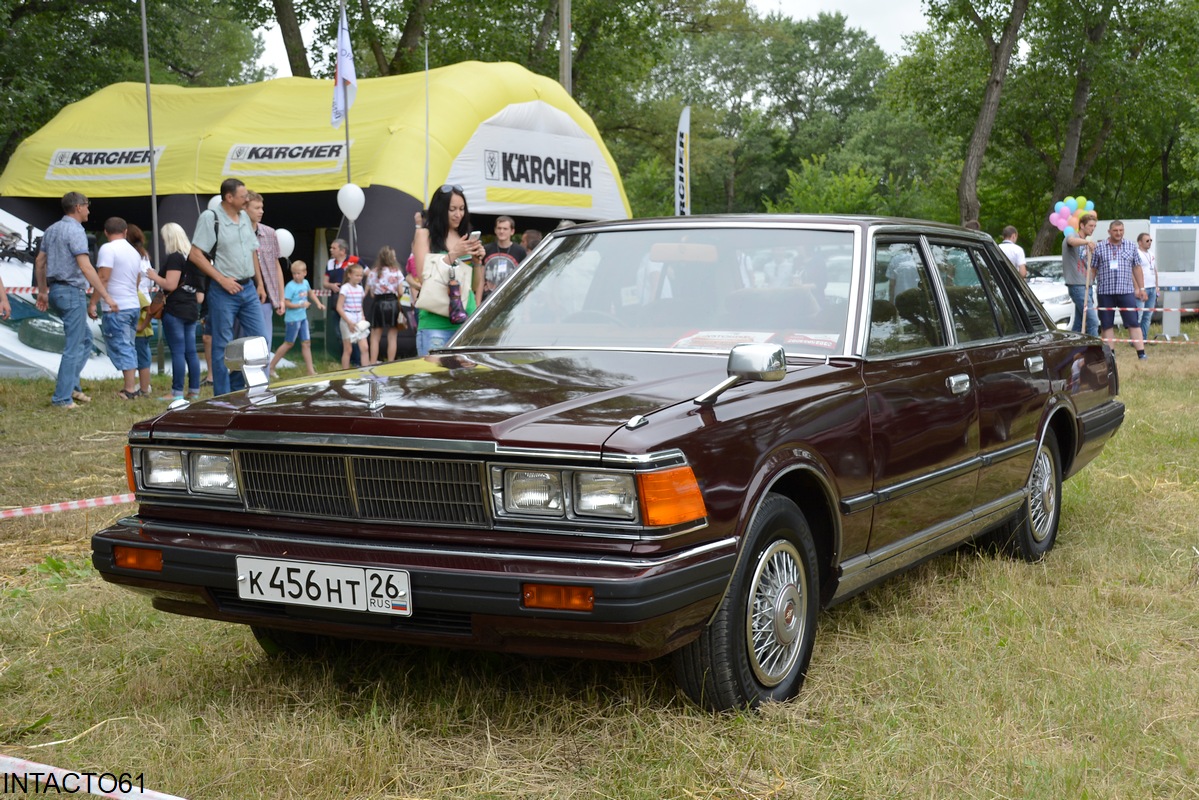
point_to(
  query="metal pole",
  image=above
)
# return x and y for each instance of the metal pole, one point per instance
(154, 233)
(349, 179)
(564, 45)
(425, 199)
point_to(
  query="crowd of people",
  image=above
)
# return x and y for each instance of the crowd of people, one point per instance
(227, 281)
(1103, 278)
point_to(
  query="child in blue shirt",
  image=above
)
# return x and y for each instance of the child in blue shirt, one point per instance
(297, 296)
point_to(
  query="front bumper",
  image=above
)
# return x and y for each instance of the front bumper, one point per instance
(644, 607)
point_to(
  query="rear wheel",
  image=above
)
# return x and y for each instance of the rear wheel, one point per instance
(758, 645)
(1034, 530)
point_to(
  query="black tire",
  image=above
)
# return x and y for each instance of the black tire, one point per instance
(279, 643)
(758, 645)
(42, 333)
(1034, 530)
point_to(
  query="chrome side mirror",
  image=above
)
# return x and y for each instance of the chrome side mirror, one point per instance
(749, 362)
(252, 356)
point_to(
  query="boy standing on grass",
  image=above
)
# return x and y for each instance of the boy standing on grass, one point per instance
(297, 296)
(349, 309)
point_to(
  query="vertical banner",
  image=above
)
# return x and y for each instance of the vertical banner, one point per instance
(682, 165)
(345, 78)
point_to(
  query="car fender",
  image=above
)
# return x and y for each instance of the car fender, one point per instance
(791, 470)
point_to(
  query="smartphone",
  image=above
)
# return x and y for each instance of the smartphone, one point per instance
(476, 235)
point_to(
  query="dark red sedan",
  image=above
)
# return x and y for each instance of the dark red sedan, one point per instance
(678, 436)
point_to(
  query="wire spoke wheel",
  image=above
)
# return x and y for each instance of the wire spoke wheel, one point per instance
(1042, 497)
(776, 613)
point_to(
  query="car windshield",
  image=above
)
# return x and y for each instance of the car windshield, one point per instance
(1048, 268)
(682, 288)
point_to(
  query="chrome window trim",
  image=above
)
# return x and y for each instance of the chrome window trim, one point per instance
(777, 223)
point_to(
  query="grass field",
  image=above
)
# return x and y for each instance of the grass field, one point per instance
(970, 677)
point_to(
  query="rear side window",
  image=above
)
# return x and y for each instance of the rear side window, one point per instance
(903, 312)
(978, 308)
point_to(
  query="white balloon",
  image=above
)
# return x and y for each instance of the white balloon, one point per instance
(351, 200)
(214, 203)
(287, 242)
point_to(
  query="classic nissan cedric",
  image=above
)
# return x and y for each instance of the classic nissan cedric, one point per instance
(675, 437)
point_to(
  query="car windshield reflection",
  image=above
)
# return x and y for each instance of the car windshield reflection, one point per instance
(677, 289)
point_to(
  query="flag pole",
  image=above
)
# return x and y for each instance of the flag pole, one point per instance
(426, 198)
(339, 77)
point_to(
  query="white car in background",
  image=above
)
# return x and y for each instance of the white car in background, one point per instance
(1046, 281)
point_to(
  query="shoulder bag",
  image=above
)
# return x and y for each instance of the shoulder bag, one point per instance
(436, 277)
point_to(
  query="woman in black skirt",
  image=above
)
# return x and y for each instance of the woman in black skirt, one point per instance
(385, 283)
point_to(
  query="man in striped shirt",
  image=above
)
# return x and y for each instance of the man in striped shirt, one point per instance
(1116, 269)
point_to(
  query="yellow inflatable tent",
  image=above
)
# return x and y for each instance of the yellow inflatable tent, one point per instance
(515, 141)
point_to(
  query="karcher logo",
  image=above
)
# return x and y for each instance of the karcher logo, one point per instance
(295, 152)
(539, 170)
(118, 164)
(285, 159)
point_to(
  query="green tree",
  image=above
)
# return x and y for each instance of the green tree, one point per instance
(815, 189)
(986, 19)
(54, 53)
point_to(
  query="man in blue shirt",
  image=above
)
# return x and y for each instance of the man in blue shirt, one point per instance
(63, 270)
(235, 292)
(1116, 268)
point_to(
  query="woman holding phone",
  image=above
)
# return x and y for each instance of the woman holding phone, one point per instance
(440, 250)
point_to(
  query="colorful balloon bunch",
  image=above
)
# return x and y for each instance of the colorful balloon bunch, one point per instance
(1066, 212)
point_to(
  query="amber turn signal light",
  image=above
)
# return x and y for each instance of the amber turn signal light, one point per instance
(562, 598)
(670, 497)
(137, 558)
(129, 476)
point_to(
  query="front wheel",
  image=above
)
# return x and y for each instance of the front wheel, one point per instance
(758, 645)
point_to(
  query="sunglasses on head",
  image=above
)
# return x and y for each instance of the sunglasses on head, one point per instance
(452, 188)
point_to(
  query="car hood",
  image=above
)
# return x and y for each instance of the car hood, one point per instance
(565, 399)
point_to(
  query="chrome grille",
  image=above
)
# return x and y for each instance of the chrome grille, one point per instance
(369, 488)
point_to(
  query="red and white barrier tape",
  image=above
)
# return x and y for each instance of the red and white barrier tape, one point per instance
(70, 505)
(29, 777)
(1156, 308)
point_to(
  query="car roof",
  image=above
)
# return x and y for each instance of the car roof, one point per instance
(777, 220)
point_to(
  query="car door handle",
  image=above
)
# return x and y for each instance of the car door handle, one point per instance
(958, 384)
(1034, 364)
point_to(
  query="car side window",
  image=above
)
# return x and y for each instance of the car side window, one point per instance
(1003, 296)
(973, 315)
(1027, 311)
(903, 312)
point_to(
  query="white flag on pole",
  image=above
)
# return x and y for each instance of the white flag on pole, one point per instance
(682, 165)
(345, 79)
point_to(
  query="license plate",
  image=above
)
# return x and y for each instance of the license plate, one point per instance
(302, 583)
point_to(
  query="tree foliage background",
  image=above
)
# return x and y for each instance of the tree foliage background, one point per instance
(1099, 97)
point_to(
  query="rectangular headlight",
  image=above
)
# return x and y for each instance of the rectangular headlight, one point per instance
(163, 469)
(605, 494)
(528, 491)
(213, 473)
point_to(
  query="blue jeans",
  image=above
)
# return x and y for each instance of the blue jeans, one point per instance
(224, 310)
(181, 338)
(1077, 293)
(70, 303)
(119, 329)
(427, 340)
(1148, 304)
(144, 357)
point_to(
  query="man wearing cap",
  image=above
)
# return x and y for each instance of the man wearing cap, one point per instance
(63, 270)
(235, 293)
